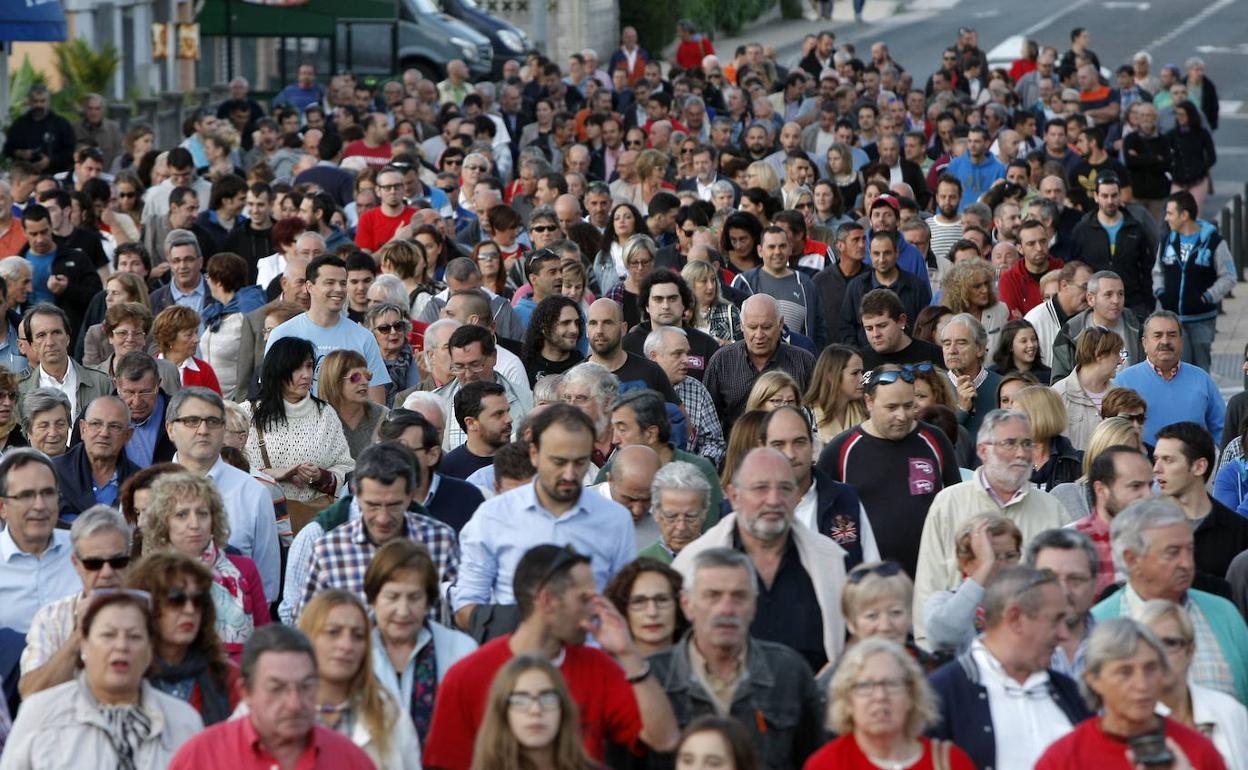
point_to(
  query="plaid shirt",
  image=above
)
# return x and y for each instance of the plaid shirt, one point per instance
(730, 375)
(1209, 666)
(707, 435)
(340, 558)
(723, 322)
(51, 627)
(1098, 532)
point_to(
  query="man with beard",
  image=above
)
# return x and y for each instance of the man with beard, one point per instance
(758, 141)
(1019, 286)
(1001, 485)
(483, 415)
(40, 137)
(605, 328)
(945, 224)
(799, 605)
(551, 339)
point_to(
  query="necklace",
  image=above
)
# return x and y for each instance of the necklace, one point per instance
(890, 764)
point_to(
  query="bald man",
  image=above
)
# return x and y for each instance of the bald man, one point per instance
(605, 329)
(567, 211)
(628, 483)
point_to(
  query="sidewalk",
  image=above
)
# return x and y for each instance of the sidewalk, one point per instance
(1228, 343)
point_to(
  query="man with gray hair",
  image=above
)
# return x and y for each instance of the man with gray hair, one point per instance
(679, 505)
(1002, 485)
(92, 472)
(592, 389)
(15, 279)
(1154, 545)
(1072, 558)
(965, 344)
(188, 286)
(668, 346)
(1106, 307)
(722, 667)
(100, 552)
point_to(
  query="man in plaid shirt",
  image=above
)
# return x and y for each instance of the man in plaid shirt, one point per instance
(385, 480)
(1118, 477)
(668, 346)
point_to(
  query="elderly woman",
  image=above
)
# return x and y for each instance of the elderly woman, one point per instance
(1218, 716)
(1075, 494)
(1097, 358)
(1123, 681)
(608, 267)
(46, 420)
(877, 602)
(121, 288)
(389, 288)
(983, 544)
(714, 315)
(408, 261)
(108, 716)
(880, 705)
(344, 386)
(223, 320)
(11, 434)
(296, 437)
(1054, 460)
(189, 662)
(185, 513)
(176, 331)
(410, 652)
(834, 397)
(639, 251)
(967, 288)
(389, 325)
(646, 592)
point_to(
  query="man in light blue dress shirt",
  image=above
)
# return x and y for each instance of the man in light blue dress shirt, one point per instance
(554, 509)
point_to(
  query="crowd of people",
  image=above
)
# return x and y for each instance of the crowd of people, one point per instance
(715, 413)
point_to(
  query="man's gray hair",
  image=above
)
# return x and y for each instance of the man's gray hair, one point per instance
(680, 475)
(39, 401)
(988, 428)
(546, 390)
(721, 186)
(311, 235)
(723, 558)
(436, 329)
(13, 268)
(1112, 640)
(603, 385)
(426, 398)
(182, 238)
(917, 225)
(462, 269)
(543, 213)
(654, 340)
(1094, 282)
(1063, 540)
(1014, 586)
(1127, 531)
(538, 165)
(970, 322)
(186, 394)
(980, 210)
(396, 292)
(98, 518)
(1169, 315)
(478, 156)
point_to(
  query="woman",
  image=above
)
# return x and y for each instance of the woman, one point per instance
(176, 331)
(638, 252)
(344, 386)
(389, 325)
(283, 236)
(296, 437)
(1113, 431)
(489, 259)
(1192, 153)
(530, 721)
(407, 261)
(185, 513)
(136, 495)
(738, 241)
(1216, 715)
(411, 653)
(46, 417)
(11, 434)
(121, 288)
(651, 178)
(1011, 384)
(139, 141)
(762, 174)
(436, 254)
(982, 545)
(188, 660)
(930, 319)
(218, 148)
(1123, 679)
(835, 393)
(504, 226)
(715, 742)
(608, 267)
(107, 716)
(967, 288)
(123, 216)
(540, 132)
(714, 315)
(1129, 404)
(223, 320)
(829, 206)
(1019, 351)
(1054, 460)
(349, 698)
(773, 390)
(877, 602)
(872, 189)
(747, 433)
(841, 174)
(880, 706)
(1098, 354)
(646, 592)
(1026, 62)
(760, 204)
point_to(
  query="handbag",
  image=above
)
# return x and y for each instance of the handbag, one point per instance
(300, 513)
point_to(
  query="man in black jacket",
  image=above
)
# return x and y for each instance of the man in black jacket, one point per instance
(251, 237)
(1111, 239)
(820, 57)
(63, 276)
(832, 281)
(92, 472)
(40, 137)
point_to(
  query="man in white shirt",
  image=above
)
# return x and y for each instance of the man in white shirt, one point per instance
(471, 307)
(46, 328)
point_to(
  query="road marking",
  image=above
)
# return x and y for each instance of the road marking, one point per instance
(1239, 151)
(1242, 48)
(1229, 105)
(1191, 22)
(1034, 28)
(1120, 4)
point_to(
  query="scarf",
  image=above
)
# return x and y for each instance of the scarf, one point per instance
(231, 600)
(244, 300)
(126, 727)
(424, 686)
(398, 370)
(173, 678)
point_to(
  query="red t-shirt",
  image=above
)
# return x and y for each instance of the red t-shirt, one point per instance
(376, 229)
(606, 700)
(690, 52)
(1019, 290)
(845, 754)
(376, 156)
(1089, 746)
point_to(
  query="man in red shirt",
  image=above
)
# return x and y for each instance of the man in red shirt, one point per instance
(692, 46)
(375, 146)
(381, 225)
(280, 729)
(1020, 285)
(559, 605)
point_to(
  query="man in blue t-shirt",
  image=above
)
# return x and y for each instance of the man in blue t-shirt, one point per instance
(977, 169)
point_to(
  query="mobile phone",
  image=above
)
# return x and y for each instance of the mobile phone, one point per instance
(1151, 750)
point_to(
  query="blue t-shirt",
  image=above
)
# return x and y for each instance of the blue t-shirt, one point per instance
(1186, 244)
(524, 310)
(346, 335)
(1112, 232)
(40, 272)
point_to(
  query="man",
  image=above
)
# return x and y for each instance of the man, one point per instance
(483, 415)
(884, 216)
(793, 292)
(60, 275)
(389, 220)
(1109, 238)
(902, 171)
(732, 370)
(251, 239)
(1000, 702)
(945, 224)
(189, 286)
(976, 169)
(1117, 477)
(183, 210)
(630, 57)
(1175, 392)
(665, 297)
(964, 344)
(799, 605)
(891, 445)
(679, 498)
(92, 472)
(181, 174)
(1146, 152)
(35, 565)
(1050, 316)
(832, 282)
(543, 273)
(280, 677)
(317, 211)
(474, 358)
(1184, 460)
(1097, 163)
(721, 668)
(1056, 149)
(462, 274)
(294, 290)
(550, 343)
(46, 330)
(912, 292)
(88, 165)
(1101, 105)
(137, 381)
(375, 146)
(1194, 272)
(883, 319)
(706, 173)
(1106, 301)
(628, 483)
(100, 543)
(1002, 485)
(1153, 541)
(1019, 286)
(12, 236)
(1073, 560)
(325, 325)
(668, 346)
(605, 328)
(558, 600)
(326, 174)
(39, 136)
(1028, 86)
(473, 307)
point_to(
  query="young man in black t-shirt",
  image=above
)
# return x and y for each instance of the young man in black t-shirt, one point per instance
(551, 339)
(884, 323)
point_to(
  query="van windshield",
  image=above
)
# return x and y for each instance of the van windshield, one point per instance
(421, 7)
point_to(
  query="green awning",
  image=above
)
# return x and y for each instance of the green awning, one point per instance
(318, 18)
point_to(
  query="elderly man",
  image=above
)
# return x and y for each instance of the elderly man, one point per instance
(1000, 702)
(35, 565)
(679, 504)
(732, 370)
(964, 342)
(474, 358)
(720, 668)
(592, 389)
(1153, 541)
(1105, 299)
(189, 286)
(100, 543)
(1073, 560)
(628, 483)
(92, 472)
(46, 329)
(668, 346)
(800, 572)
(1000, 485)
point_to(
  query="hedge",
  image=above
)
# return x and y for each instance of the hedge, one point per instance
(655, 20)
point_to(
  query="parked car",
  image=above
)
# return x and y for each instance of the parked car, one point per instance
(508, 40)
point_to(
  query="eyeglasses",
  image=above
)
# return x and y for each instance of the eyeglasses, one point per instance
(579, 399)
(543, 228)
(546, 700)
(198, 600)
(883, 569)
(1138, 419)
(193, 421)
(355, 378)
(127, 195)
(488, 256)
(115, 428)
(8, 395)
(780, 401)
(867, 687)
(476, 367)
(28, 496)
(641, 601)
(804, 206)
(689, 233)
(1174, 643)
(452, 162)
(633, 142)
(397, 326)
(95, 563)
(640, 264)
(1014, 444)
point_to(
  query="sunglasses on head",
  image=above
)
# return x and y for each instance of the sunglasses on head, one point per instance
(95, 564)
(883, 569)
(905, 374)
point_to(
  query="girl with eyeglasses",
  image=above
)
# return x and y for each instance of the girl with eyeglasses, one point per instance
(530, 721)
(344, 386)
(646, 592)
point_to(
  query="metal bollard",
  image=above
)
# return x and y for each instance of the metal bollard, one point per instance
(1237, 234)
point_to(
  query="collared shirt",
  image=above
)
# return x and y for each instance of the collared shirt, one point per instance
(142, 444)
(979, 378)
(253, 524)
(731, 374)
(29, 583)
(1166, 375)
(104, 495)
(1018, 493)
(49, 631)
(1209, 665)
(721, 691)
(788, 610)
(69, 386)
(1026, 719)
(1074, 668)
(1098, 532)
(505, 527)
(706, 437)
(193, 299)
(10, 357)
(518, 402)
(236, 745)
(807, 511)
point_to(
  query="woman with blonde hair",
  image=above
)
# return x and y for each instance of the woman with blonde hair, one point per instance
(968, 288)
(762, 174)
(713, 314)
(834, 397)
(530, 721)
(1112, 431)
(773, 390)
(350, 699)
(1098, 354)
(651, 178)
(982, 545)
(344, 383)
(1054, 460)
(406, 259)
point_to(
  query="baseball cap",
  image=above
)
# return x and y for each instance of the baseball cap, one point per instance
(886, 200)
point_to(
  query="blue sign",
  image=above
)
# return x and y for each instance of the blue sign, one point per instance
(32, 20)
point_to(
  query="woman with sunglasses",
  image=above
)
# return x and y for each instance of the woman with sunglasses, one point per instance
(983, 544)
(188, 662)
(344, 386)
(389, 325)
(489, 258)
(646, 592)
(128, 204)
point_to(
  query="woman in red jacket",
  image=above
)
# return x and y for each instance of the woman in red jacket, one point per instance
(176, 331)
(692, 47)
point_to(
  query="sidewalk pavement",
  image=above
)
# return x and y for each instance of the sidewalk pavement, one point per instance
(1228, 343)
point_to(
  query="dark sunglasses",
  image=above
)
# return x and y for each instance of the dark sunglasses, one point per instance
(199, 599)
(93, 564)
(397, 326)
(543, 228)
(127, 195)
(905, 374)
(883, 569)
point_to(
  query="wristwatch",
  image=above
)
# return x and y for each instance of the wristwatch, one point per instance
(641, 675)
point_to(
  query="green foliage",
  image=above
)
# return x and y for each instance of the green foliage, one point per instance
(655, 20)
(20, 82)
(83, 70)
(791, 9)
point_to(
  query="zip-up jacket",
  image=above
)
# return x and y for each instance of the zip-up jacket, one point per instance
(1192, 285)
(1131, 256)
